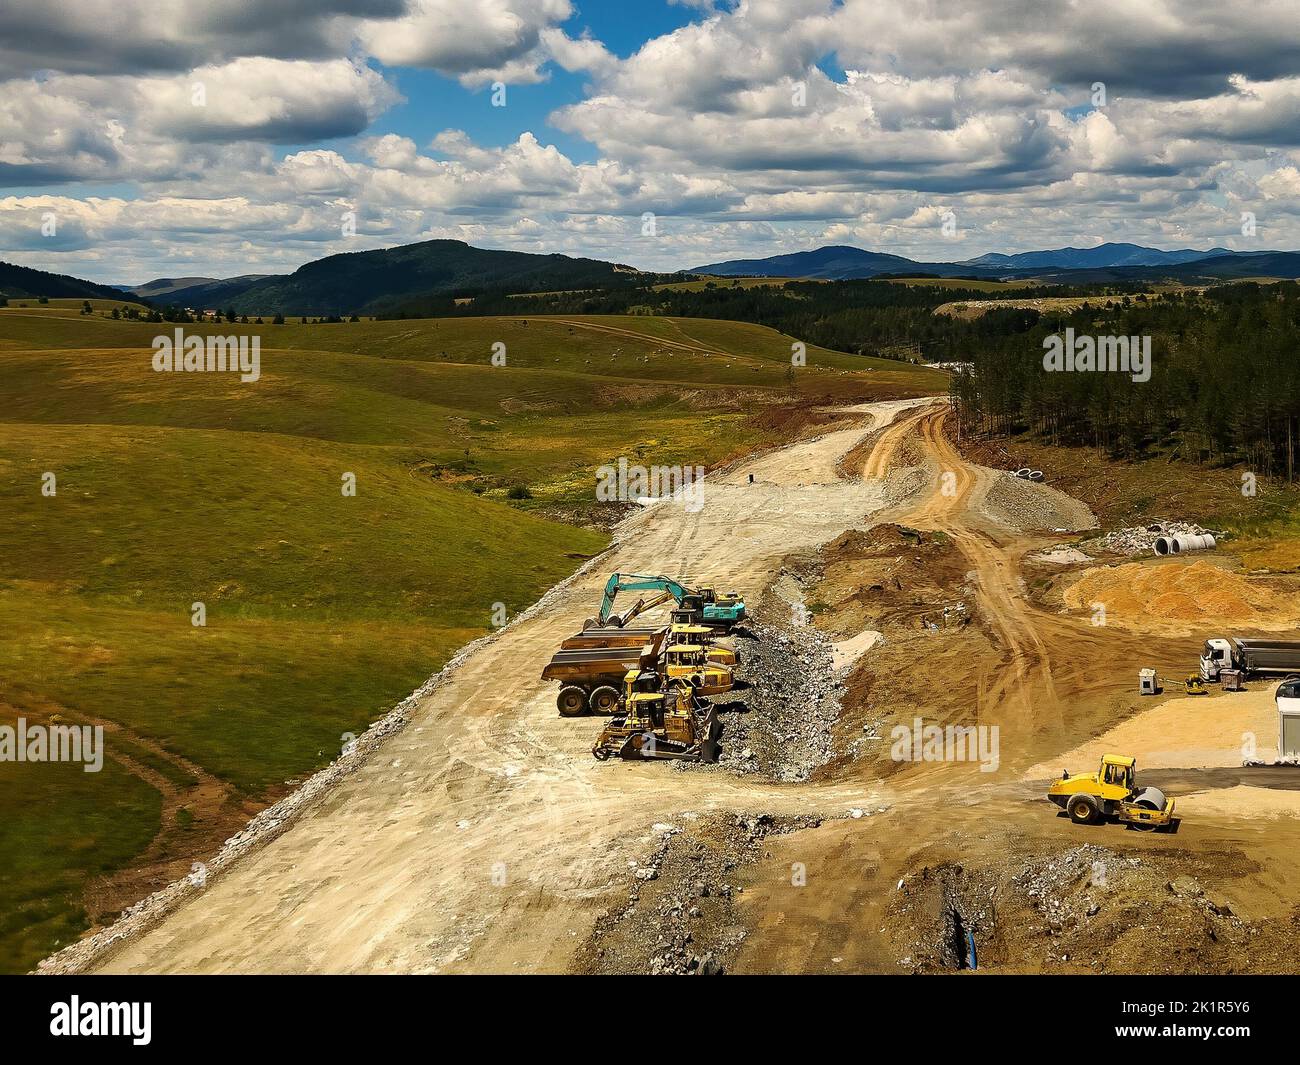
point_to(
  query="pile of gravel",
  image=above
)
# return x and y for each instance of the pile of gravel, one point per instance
(1063, 888)
(779, 723)
(680, 916)
(1023, 504)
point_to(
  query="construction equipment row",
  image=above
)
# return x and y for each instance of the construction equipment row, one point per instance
(652, 680)
(717, 609)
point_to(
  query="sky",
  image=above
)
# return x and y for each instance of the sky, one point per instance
(165, 138)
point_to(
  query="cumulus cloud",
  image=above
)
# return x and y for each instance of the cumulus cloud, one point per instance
(759, 127)
(479, 42)
(130, 37)
(65, 128)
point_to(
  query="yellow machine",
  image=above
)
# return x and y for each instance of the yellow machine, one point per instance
(1194, 685)
(656, 722)
(690, 662)
(1112, 794)
(704, 637)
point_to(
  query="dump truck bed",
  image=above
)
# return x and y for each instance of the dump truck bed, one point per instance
(600, 661)
(610, 637)
(1269, 656)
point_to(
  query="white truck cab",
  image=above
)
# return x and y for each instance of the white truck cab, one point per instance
(1215, 656)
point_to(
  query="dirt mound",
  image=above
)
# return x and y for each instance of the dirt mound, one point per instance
(885, 575)
(1180, 596)
(886, 539)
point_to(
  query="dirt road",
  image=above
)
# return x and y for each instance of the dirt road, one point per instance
(485, 838)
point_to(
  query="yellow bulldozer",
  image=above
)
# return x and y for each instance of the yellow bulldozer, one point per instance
(659, 718)
(1112, 794)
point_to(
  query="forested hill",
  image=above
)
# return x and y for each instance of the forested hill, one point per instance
(1224, 384)
(1225, 381)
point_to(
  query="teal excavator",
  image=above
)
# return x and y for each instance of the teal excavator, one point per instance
(720, 610)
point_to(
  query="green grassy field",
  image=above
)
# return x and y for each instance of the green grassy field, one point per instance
(322, 609)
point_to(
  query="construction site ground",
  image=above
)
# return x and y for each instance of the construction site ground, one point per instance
(893, 581)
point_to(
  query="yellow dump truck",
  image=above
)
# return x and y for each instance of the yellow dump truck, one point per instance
(589, 677)
(706, 638)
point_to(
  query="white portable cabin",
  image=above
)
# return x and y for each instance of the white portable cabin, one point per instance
(1288, 720)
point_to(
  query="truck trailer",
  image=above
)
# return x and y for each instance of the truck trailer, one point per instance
(590, 676)
(1251, 656)
(612, 637)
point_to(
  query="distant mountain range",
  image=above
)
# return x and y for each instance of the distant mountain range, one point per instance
(386, 281)
(204, 289)
(1106, 262)
(424, 278)
(1104, 255)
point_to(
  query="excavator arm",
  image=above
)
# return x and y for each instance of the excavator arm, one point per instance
(643, 604)
(631, 582)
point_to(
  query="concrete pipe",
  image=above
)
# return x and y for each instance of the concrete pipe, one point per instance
(1181, 544)
(1163, 545)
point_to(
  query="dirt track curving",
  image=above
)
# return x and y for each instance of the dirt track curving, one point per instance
(483, 837)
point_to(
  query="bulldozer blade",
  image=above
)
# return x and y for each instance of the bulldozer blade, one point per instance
(709, 739)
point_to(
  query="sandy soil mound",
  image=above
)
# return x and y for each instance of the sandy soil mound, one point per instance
(1180, 597)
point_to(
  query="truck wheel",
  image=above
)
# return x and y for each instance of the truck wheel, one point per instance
(1082, 809)
(571, 701)
(603, 699)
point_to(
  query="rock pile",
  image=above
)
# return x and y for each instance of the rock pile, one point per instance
(780, 724)
(1023, 504)
(680, 916)
(1141, 539)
